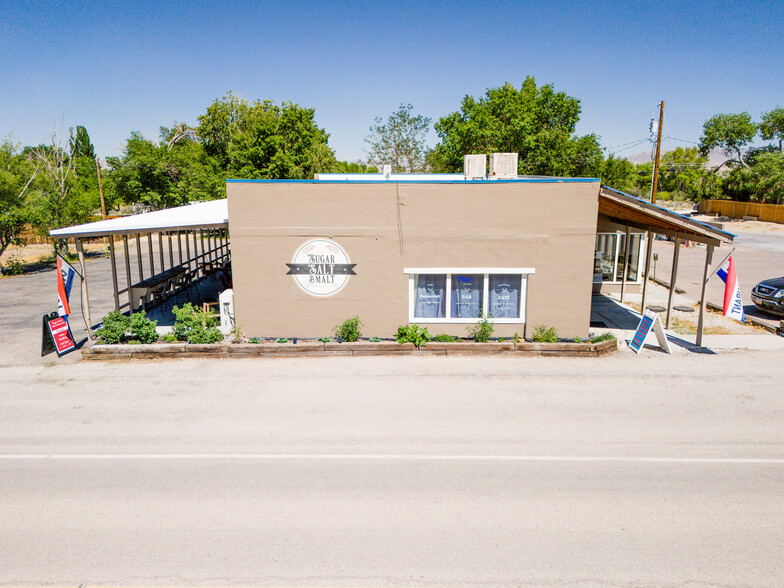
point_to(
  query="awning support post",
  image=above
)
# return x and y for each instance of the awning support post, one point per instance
(128, 273)
(171, 251)
(673, 275)
(625, 262)
(648, 250)
(160, 250)
(152, 257)
(112, 256)
(87, 316)
(179, 245)
(139, 257)
(701, 321)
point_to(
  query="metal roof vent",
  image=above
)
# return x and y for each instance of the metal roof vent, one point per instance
(475, 166)
(503, 166)
(387, 170)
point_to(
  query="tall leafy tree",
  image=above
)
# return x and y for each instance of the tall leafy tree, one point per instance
(400, 141)
(536, 122)
(729, 132)
(18, 174)
(680, 172)
(169, 171)
(264, 140)
(772, 126)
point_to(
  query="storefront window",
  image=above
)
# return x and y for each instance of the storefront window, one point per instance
(463, 295)
(604, 261)
(467, 293)
(610, 255)
(505, 295)
(430, 296)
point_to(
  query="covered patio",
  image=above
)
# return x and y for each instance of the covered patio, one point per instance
(631, 212)
(184, 246)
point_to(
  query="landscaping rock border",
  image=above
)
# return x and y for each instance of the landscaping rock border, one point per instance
(361, 348)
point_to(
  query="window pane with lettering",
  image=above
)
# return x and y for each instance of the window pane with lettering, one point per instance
(430, 296)
(467, 292)
(504, 295)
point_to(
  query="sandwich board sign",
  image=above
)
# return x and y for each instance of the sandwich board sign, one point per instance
(650, 320)
(57, 335)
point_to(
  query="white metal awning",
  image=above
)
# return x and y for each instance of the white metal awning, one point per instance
(202, 215)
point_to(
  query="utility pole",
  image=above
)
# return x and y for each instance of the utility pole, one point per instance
(100, 189)
(655, 181)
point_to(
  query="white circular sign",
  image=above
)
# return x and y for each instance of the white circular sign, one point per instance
(321, 267)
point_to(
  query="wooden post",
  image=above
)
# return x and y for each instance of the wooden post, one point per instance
(188, 250)
(673, 275)
(160, 250)
(701, 321)
(152, 257)
(655, 184)
(100, 189)
(139, 257)
(195, 252)
(649, 249)
(88, 319)
(128, 273)
(626, 248)
(171, 251)
(114, 273)
(179, 246)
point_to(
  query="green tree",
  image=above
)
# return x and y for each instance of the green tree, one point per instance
(680, 172)
(618, 173)
(17, 210)
(536, 122)
(170, 171)
(355, 167)
(400, 142)
(264, 140)
(772, 126)
(730, 132)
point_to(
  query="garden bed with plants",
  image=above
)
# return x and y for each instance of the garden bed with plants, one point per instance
(196, 335)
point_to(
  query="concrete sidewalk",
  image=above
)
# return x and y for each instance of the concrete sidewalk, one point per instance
(622, 321)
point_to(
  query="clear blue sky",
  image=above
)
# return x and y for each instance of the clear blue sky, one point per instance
(118, 67)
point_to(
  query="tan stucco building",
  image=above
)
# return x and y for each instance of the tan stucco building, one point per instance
(306, 255)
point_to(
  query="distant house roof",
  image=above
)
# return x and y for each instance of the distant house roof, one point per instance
(202, 215)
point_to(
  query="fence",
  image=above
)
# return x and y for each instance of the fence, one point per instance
(772, 213)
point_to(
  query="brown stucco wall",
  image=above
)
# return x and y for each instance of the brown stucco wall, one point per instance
(549, 226)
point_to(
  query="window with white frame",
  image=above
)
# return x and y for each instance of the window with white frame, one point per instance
(462, 295)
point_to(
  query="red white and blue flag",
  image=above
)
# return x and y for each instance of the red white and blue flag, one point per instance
(733, 306)
(65, 277)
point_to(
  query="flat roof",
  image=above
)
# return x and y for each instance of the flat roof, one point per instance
(198, 215)
(415, 179)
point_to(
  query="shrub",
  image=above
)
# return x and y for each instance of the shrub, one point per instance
(195, 326)
(143, 328)
(482, 330)
(603, 337)
(326, 339)
(443, 338)
(412, 334)
(113, 328)
(544, 334)
(13, 266)
(516, 338)
(170, 337)
(281, 340)
(254, 340)
(350, 330)
(374, 339)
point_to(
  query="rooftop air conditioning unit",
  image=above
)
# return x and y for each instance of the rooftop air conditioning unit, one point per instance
(474, 166)
(387, 170)
(503, 166)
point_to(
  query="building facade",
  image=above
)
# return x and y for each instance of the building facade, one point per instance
(306, 255)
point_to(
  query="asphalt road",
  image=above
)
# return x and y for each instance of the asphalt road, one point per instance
(395, 471)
